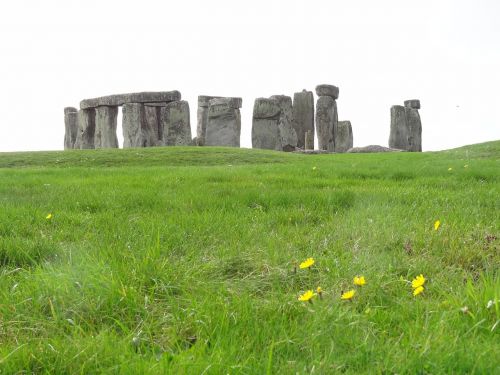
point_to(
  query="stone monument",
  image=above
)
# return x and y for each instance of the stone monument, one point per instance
(224, 122)
(303, 118)
(326, 116)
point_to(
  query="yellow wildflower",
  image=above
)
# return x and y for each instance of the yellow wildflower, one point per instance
(307, 263)
(319, 290)
(307, 296)
(437, 224)
(314, 168)
(348, 295)
(450, 169)
(359, 280)
(466, 166)
(418, 281)
(48, 217)
(418, 290)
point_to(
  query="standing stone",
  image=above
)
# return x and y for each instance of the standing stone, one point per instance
(328, 90)
(71, 127)
(153, 124)
(86, 128)
(203, 103)
(224, 122)
(326, 119)
(303, 116)
(287, 133)
(176, 125)
(265, 124)
(136, 130)
(343, 138)
(414, 129)
(105, 127)
(399, 135)
(412, 103)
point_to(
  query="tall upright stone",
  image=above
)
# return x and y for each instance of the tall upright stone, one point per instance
(176, 125)
(71, 127)
(343, 138)
(105, 127)
(265, 124)
(327, 116)
(224, 122)
(303, 116)
(201, 128)
(152, 114)
(86, 128)
(406, 127)
(287, 133)
(136, 130)
(414, 125)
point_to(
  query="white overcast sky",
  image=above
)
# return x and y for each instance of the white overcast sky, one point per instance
(445, 53)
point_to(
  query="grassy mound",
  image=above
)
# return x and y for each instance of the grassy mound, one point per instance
(184, 260)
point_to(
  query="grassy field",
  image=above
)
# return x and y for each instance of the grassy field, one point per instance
(184, 261)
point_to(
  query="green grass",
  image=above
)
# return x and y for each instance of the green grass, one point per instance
(181, 260)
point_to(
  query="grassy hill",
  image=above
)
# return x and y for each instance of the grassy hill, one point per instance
(184, 260)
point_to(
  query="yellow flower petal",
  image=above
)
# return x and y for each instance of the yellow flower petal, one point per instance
(307, 263)
(348, 295)
(418, 281)
(437, 224)
(319, 290)
(418, 290)
(306, 296)
(450, 169)
(359, 280)
(48, 217)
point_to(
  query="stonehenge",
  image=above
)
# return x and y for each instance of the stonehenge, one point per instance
(175, 124)
(303, 118)
(278, 122)
(71, 127)
(326, 116)
(265, 124)
(105, 127)
(406, 127)
(224, 122)
(343, 138)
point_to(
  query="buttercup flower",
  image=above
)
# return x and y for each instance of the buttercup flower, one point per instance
(418, 290)
(307, 296)
(307, 263)
(437, 224)
(359, 280)
(450, 169)
(348, 295)
(314, 168)
(319, 291)
(48, 217)
(418, 281)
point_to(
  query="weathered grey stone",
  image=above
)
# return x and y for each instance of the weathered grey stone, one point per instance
(414, 130)
(309, 140)
(136, 130)
(202, 118)
(224, 124)
(265, 124)
(235, 103)
(139, 97)
(105, 127)
(71, 127)
(399, 135)
(328, 90)
(343, 137)
(153, 115)
(372, 148)
(265, 108)
(303, 116)
(86, 128)
(159, 104)
(204, 100)
(326, 122)
(412, 103)
(70, 110)
(287, 133)
(176, 124)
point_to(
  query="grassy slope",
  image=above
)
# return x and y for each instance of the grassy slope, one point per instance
(181, 260)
